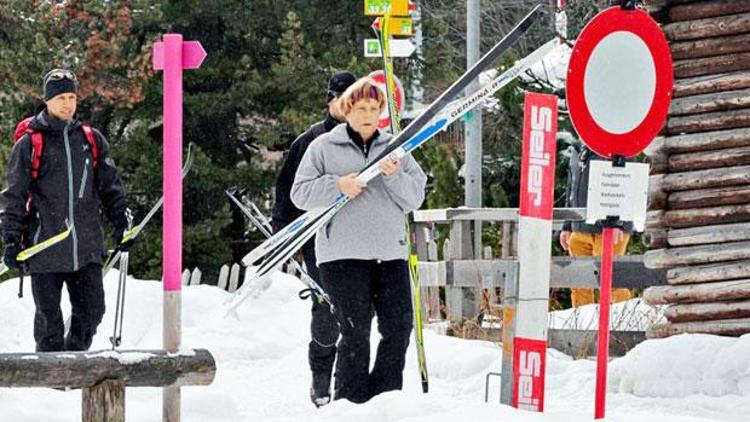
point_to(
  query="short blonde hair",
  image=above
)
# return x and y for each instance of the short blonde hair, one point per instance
(361, 90)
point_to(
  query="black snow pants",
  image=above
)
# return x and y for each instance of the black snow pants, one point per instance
(87, 302)
(356, 287)
(324, 329)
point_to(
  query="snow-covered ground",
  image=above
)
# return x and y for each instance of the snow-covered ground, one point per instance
(263, 375)
(632, 315)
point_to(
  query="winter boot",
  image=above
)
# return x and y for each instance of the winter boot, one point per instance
(320, 391)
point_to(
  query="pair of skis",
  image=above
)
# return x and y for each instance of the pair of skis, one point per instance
(436, 118)
(395, 121)
(39, 247)
(260, 222)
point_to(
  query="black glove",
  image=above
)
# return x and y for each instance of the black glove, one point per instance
(12, 248)
(119, 244)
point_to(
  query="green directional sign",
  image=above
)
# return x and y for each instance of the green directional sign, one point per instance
(372, 47)
(399, 48)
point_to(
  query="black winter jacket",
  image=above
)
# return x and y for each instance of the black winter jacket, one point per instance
(284, 211)
(68, 187)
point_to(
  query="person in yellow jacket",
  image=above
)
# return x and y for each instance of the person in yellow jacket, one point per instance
(581, 239)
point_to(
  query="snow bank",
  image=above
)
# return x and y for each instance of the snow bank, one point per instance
(263, 375)
(683, 365)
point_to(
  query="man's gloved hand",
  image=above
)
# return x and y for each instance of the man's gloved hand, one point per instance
(12, 248)
(119, 244)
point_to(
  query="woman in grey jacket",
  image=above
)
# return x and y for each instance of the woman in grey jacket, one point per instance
(361, 252)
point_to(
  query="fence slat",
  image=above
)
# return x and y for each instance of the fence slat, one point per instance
(223, 277)
(195, 277)
(234, 277)
(185, 277)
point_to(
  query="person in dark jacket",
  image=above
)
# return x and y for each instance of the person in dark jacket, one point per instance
(581, 239)
(323, 326)
(361, 252)
(69, 189)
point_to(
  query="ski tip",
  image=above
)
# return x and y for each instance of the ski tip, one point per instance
(248, 260)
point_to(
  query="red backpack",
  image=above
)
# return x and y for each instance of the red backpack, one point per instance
(37, 144)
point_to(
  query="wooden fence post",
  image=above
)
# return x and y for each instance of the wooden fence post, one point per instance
(104, 402)
(462, 302)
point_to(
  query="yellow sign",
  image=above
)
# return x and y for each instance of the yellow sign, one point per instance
(398, 27)
(381, 7)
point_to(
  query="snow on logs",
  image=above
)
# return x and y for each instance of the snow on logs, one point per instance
(141, 368)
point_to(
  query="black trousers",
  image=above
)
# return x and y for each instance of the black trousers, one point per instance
(87, 301)
(356, 287)
(324, 329)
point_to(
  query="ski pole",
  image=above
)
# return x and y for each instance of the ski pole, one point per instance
(116, 338)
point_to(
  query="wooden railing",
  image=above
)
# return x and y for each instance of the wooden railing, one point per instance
(103, 375)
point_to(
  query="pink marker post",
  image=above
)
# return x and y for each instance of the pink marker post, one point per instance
(172, 56)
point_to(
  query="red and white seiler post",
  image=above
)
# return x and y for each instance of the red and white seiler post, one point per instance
(534, 250)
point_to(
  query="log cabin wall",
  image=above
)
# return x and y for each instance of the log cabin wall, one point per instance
(699, 194)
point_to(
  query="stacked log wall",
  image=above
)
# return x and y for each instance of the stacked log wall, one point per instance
(698, 225)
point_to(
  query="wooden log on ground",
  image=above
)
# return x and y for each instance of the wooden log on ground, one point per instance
(707, 141)
(655, 239)
(104, 402)
(722, 327)
(699, 292)
(695, 255)
(708, 311)
(711, 178)
(719, 233)
(709, 159)
(708, 122)
(711, 83)
(707, 273)
(711, 65)
(137, 368)
(707, 9)
(720, 26)
(710, 47)
(657, 198)
(700, 198)
(705, 103)
(706, 216)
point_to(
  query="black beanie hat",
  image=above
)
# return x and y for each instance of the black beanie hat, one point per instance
(339, 82)
(59, 81)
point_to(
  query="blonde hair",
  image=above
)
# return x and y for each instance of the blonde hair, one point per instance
(361, 90)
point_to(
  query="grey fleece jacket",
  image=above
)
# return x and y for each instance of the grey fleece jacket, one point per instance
(371, 226)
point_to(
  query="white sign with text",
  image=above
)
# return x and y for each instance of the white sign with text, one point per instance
(617, 191)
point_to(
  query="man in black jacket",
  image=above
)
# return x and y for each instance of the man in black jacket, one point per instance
(323, 326)
(75, 181)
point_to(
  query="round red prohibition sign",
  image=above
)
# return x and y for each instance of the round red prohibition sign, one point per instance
(619, 82)
(379, 77)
